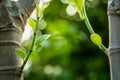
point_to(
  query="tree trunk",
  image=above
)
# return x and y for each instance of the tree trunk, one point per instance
(114, 37)
(13, 16)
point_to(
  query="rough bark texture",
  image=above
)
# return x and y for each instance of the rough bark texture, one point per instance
(114, 37)
(13, 16)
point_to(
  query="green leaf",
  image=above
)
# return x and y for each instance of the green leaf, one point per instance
(37, 9)
(79, 5)
(96, 39)
(21, 53)
(42, 38)
(41, 10)
(32, 23)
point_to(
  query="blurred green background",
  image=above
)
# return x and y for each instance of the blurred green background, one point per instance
(69, 53)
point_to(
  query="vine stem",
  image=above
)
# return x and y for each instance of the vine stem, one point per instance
(32, 45)
(87, 22)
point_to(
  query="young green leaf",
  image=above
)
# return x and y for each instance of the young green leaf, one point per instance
(79, 5)
(42, 38)
(41, 10)
(32, 23)
(21, 53)
(96, 39)
(37, 9)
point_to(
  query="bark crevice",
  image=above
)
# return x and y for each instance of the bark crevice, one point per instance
(114, 7)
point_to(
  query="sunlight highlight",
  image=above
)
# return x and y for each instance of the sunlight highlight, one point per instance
(15, 0)
(27, 33)
(71, 11)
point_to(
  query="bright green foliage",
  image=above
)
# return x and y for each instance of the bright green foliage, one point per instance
(37, 9)
(32, 23)
(21, 53)
(41, 39)
(79, 5)
(96, 39)
(41, 10)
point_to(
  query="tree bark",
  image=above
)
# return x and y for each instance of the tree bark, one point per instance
(13, 16)
(114, 37)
